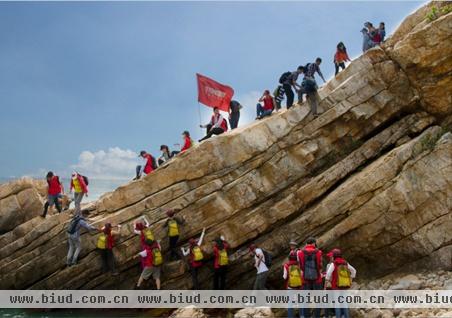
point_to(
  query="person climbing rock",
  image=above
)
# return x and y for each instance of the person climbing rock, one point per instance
(105, 244)
(152, 260)
(216, 126)
(220, 263)
(292, 276)
(278, 93)
(268, 107)
(310, 260)
(73, 237)
(78, 184)
(145, 233)
(340, 273)
(173, 223)
(234, 113)
(55, 190)
(374, 34)
(309, 84)
(196, 258)
(261, 267)
(149, 166)
(289, 80)
(340, 57)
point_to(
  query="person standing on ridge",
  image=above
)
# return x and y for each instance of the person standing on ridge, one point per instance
(289, 80)
(340, 273)
(78, 184)
(54, 191)
(261, 267)
(220, 263)
(196, 258)
(292, 276)
(216, 126)
(278, 93)
(340, 57)
(105, 244)
(151, 260)
(73, 237)
(268, 107)
(149, 166)
(310, 260)
(234, 114)
(312, 68)
(382, 31)
(172, 223)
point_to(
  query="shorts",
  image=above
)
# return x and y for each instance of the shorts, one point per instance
(148, 271)
(53, 199)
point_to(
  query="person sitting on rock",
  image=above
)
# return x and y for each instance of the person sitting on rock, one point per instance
(340, 274)
(188, 142)
(80, 188)
(310, 260)
(73, 237)
(152, 261)
(105, 244)
(220, 263)
(149, 166)
(293, 277)
(172, 223)
(196, 258)
(269, 105)
(166, 156)
(55, 190)
(216, 126)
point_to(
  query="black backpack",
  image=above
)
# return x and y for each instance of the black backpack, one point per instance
(306, 67)
(284, 77)
(268, 258)
(73, 225)
(310, 265)
(154, 163)
(85, 179)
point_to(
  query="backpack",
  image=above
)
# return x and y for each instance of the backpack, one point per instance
(309, 85)
(73, 225)
(157, 256)
(102, 241)
(224, 258)
(197, 254)
(310, 265)
(85, 179)
(344, 279)
(148, 236)
(153, 163)
(306, 67)
(173, 228)
(284, 77)
(268, 258)
(295, 279)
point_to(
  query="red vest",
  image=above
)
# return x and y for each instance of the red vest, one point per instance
(147, 261)
(268, 103)
(148, 167)
(54, 186)
(223, 125)
(338, 261)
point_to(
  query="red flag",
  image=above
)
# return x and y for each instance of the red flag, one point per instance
(213, 94)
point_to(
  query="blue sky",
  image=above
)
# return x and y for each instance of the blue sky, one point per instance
(90, 83)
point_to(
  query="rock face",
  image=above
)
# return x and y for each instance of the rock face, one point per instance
(372, 175)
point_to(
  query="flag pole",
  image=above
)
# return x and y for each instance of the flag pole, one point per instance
(199, 113)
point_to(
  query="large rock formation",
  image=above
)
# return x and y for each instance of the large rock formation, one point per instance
(372, 174)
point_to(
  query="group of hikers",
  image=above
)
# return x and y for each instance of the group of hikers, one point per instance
(372, 36)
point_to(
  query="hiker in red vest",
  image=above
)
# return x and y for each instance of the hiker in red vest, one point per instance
(293, 276)
(310, 260)
(196, 258)
(149, 166)
(340, 273)
(269, 105)
(216, 126)
(105, 244)
(54, 191)
(188, 142)
(152, 260)
(220, 263)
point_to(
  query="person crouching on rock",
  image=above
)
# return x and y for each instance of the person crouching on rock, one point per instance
(196, 258)
(216, 126)
(80, 188)
(55, 190)
(73, 237)
(173, 223)
(149, 166)
(152, 261)
(220, 263)
(105, 244)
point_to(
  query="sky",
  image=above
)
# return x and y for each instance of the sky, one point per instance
(87, 85)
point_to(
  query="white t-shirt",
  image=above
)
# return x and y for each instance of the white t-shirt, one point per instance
(258, 254)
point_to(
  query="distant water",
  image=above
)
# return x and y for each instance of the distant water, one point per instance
(96, 187)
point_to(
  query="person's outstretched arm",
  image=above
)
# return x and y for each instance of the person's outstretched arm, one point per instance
(202, 237)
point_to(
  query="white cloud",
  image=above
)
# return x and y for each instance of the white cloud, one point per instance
(115, 163)
(248, 101)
